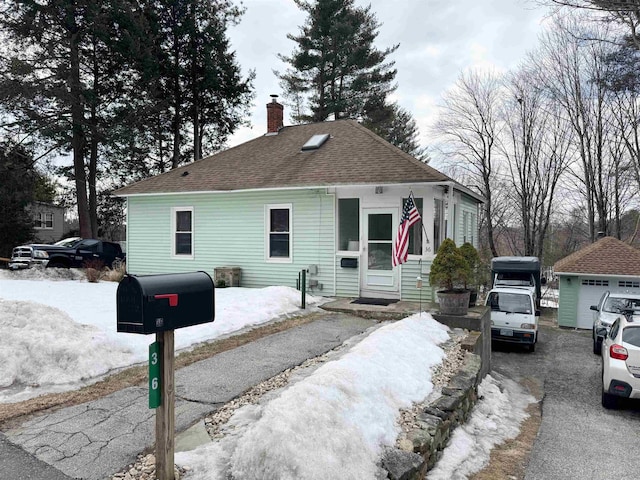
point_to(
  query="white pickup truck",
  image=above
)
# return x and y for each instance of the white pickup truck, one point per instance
(514, 317)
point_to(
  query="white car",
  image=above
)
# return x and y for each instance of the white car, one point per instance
(514, 317)
(621, 361)
(609, 308)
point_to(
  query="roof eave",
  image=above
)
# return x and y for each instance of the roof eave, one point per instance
(303, 187)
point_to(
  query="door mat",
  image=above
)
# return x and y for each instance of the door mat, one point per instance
(374, 301)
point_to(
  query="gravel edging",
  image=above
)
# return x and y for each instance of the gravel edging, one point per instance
(409, 421)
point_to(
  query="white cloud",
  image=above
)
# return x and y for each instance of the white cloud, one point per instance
(438, 39)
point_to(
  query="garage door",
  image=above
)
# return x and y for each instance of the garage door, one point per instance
(591, 290)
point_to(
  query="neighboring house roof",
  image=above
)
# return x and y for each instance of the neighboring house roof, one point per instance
(47, 205)
(607, 256)
(353, 155)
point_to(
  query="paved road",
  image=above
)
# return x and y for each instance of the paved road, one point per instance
(97, 439)
(578, 438)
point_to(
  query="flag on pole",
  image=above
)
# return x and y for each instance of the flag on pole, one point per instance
(410, 216)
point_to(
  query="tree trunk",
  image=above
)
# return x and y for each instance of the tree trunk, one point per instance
(177, 96)
(93, 174)
(78, 138)
(195, 94)
(93, 150)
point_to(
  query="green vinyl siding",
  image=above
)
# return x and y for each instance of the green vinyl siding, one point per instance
(347, 279)
(229, 230)
(568, 302)
(410, 271)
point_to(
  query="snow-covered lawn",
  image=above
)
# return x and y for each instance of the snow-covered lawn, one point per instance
(57, 334)
(334, 423)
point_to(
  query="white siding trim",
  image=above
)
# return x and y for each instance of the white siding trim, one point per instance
(312, 187)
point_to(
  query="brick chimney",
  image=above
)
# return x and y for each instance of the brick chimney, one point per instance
(275, 113)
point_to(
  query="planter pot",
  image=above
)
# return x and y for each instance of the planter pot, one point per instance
(473, 297)
(454, 302)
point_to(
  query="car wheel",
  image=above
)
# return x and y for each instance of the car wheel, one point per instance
(531, 347)
(597, 346)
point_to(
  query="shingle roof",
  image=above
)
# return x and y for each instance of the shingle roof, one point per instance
(607, 256)
(352, 155)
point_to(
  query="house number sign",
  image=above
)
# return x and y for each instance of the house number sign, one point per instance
(154, 375)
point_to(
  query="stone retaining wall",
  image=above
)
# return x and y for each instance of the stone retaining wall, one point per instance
(421, 449)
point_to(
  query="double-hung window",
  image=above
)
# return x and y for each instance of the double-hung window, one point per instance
(44, 221)
(182, 232)
(439, 231)
(279, 233)
(465, 227)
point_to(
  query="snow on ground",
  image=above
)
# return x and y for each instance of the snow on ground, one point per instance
(496, 417)
(336, 422)
(55, 334)
(549, 297)
(333, 423)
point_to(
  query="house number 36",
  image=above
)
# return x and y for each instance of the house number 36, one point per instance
(154, 375)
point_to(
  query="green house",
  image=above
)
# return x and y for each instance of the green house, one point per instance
(324, 197)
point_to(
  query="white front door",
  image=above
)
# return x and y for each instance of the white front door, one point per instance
(378, 277)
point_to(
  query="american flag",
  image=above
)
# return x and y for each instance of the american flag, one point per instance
(410, 216)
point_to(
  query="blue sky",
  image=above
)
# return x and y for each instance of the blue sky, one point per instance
(438, 40)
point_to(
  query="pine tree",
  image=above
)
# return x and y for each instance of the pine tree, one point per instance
(335, 64)
(17, 190)
(191, 76)
(59, 81)
(395, 124)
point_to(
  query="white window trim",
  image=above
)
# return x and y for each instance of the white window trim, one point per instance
(174, 211)
(267, 231)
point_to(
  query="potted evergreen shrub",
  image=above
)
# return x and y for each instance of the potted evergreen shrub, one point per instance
(470, 254)
(449, 272)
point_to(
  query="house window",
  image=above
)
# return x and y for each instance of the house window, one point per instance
(349, 224)
(595, 283)
(465, 227)
(279, 232)
(628, 284)
(438, 223)
(44, 221)
(415, 231)
(473, 229)
(182, 219)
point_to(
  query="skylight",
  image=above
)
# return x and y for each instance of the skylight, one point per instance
(315, 142)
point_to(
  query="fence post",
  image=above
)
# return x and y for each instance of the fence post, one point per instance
(303, 288)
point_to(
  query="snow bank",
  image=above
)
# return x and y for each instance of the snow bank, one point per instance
(496, 417)
(41, 345)
(334, 423)
(38, 325)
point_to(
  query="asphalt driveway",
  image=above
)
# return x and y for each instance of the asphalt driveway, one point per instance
(578, 438)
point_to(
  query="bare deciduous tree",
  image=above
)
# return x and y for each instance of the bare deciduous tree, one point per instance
(536, 148)
(572, 70)
(468, 124)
